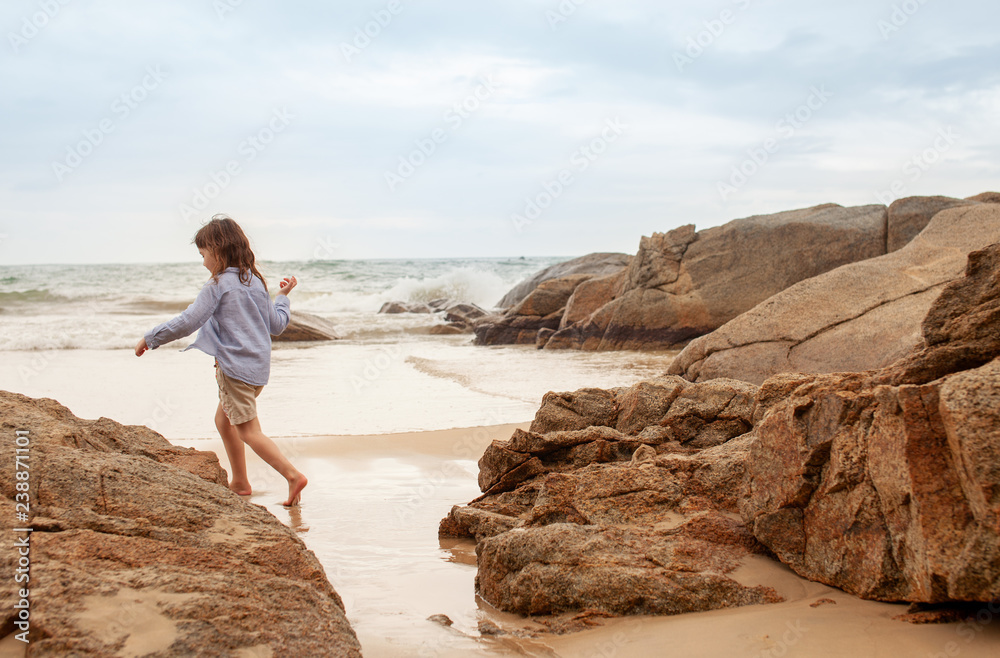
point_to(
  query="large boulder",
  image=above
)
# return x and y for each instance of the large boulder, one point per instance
(909, 216)
(858, 317)
(617, 501)
(542, 308)
(139, 548)
(683, 284)
(597, 264)
(887, 484)
(887, 492)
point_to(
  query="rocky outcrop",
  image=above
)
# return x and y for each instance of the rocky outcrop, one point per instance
(598, 264)
(306, 326)
(139, 548)
(617, 501)
(683, 284)
(886, 484)
(858, 317)
(909, 216)
(542, 308)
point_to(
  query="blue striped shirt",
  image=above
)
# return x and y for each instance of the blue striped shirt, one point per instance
(236, 323)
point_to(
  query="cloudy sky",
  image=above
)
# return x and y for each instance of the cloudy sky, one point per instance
(429, 128)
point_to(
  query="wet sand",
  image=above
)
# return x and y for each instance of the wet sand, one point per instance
(371, 512)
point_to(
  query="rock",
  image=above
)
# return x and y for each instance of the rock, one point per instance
(576, 411)
(598, 264)
(550, 296)
(444, 620)
(683, 284)
(394, 307)
(986, 197)
(960, 329)
(886, 492)
(623, 571)
(306, 326)
(591, 295)
(909, 216)
(513, 329)
(463, 313)
(541, 309)
(486, 627)
(886, 484)
(133, 554)
(542, 337)
(858, 317)
(448, 329)
(578, 515)
(406, 307)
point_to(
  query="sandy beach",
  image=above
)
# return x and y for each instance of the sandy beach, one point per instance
(370, 514)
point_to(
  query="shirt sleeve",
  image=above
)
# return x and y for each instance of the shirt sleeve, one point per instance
(281, 313)
(189, 321)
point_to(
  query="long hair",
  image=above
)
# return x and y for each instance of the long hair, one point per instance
(224, 238)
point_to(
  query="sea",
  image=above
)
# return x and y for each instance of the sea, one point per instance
(68, 332)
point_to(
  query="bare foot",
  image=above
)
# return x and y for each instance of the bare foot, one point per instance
(242, 488)
(295, 486)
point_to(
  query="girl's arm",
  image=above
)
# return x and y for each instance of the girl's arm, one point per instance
(281, 311)
(184, 324)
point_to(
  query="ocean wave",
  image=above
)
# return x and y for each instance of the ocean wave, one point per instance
(30, 296)
(461, 284)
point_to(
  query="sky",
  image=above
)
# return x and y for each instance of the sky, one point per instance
(433, 128)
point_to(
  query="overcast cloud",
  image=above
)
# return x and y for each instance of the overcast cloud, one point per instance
(127, 124)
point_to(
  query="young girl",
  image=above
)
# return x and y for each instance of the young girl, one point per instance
(237, 319)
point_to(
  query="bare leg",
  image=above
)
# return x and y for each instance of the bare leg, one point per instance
(234, 450)
(267, 450)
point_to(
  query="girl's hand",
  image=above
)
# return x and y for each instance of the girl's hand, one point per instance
(286, 285)
(140, 347)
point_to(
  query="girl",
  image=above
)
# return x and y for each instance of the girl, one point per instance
(237, 319)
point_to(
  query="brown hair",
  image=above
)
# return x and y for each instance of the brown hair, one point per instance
(227, 241)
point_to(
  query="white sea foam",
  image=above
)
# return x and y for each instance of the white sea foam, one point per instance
(109, 306)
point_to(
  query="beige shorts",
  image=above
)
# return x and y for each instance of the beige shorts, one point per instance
(238, 399)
